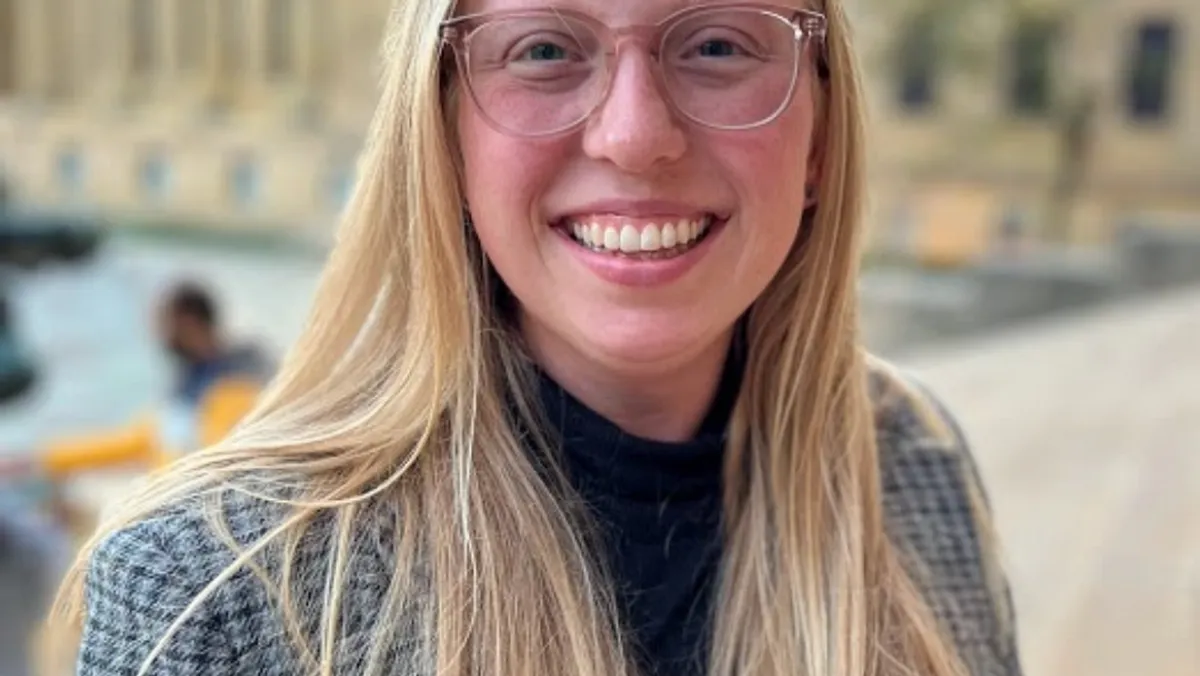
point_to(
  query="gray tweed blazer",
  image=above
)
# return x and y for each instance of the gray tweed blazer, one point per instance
(141, 578)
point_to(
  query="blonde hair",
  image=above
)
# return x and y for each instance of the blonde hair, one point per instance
(406, 372)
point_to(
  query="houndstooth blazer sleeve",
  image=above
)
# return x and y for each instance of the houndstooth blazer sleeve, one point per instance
(139, 581)
(144, 577)
(939, 515)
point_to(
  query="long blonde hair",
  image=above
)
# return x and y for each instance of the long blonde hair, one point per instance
(401, 390)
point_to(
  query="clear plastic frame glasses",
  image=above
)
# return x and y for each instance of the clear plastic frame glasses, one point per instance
(541, 72)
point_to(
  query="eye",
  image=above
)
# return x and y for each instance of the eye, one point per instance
(719, 43)
(711, 48)
(543, 51)
(544, 47)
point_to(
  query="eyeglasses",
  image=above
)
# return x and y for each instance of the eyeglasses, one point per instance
(541, 72)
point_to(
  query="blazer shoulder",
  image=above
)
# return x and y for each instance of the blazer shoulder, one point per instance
(156, 581)
(203, 578)
(907, 413)
(939, 514)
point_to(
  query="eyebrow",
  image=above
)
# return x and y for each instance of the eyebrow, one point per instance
(588, 6)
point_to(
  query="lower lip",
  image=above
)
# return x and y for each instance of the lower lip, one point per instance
(633, 272)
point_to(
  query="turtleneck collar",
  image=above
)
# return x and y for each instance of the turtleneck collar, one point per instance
(657, 506)
(603, 461)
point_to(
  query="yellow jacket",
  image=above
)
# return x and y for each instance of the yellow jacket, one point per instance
(145, 443)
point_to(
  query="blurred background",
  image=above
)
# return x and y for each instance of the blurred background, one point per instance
(1034, 255)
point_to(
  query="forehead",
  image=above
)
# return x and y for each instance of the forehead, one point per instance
(612, 12)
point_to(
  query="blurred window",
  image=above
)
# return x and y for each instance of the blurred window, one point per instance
(69, 171)
(339, 184)
(917, 65)
(244, 181)
(1031, 69)
(154, 176)
(1150, 70)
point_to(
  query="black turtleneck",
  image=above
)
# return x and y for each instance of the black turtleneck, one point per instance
(658, 507)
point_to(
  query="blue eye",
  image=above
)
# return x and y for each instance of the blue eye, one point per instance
(545, 51)
(717, 48)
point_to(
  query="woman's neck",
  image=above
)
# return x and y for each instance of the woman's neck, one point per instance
(666, 403)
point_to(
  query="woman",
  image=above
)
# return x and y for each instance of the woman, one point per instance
(581, 392)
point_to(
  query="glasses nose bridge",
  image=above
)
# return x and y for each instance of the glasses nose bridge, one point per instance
(620, 38)
(616, 41)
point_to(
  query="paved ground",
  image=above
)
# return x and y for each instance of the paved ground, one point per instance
(1087, 430)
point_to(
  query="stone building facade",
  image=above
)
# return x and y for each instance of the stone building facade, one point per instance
(976, 129)
(237, 113)
(226, 113)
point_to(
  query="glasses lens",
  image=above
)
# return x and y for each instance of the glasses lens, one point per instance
(537, 73)
(732, 67)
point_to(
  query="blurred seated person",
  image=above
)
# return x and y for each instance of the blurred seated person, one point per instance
(215, 386)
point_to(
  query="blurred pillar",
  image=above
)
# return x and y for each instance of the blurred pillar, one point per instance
(349, 49)
(193, 36)
(60, 30)
(230, 48)
(313, 21)
(8, 48)
(143, 66)
(312, 36)
(254, 39)
(280, 58)
(187, 50)
(31, 28)
(1189, 89)
(104, 48)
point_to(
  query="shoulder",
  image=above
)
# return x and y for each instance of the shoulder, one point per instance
(205, 577)
(924, 454)
(939, 515)
(170, 579)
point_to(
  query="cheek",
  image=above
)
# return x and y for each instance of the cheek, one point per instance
(769, 167)
(781, 153)
(504, 177)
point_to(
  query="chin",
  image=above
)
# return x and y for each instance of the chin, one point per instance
(641, 339)
(653, 338)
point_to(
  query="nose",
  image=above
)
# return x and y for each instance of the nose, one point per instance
(635, 127)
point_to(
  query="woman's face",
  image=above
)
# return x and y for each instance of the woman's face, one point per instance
(636, 165)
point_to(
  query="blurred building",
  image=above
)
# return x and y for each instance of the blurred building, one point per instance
(210, 111)
(1063, 121)
(250, 112)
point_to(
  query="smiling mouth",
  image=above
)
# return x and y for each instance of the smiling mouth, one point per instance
(640, 239)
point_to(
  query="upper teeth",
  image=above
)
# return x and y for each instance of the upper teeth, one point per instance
(633, 237)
